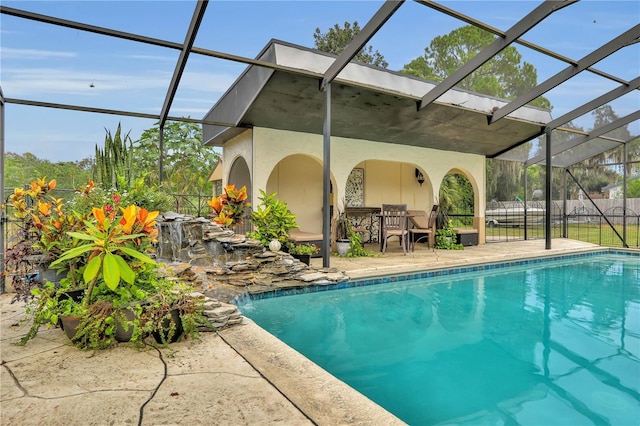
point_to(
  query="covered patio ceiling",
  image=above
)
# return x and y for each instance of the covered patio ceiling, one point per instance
(367, 103)
(434, 115)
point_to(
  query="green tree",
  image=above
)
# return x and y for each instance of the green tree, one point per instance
(633, 188)
(187, 162)
(504, 76)
(337, 39)
(20, 169)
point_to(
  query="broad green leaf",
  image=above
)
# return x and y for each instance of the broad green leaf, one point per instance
(74, 252)
(110, 271)
(82, 236)
(94, 229)
(128, 237)
(140, 256)
(92, 269)
(126, 273)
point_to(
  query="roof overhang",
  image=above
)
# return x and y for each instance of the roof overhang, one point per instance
(368, 103)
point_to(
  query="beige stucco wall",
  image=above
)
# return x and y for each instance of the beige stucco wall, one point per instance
(240, 146)
(290, 164)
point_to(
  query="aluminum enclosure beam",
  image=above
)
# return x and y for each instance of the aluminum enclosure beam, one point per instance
(597, 55)
(86, 27)
(143, 39)
(112, 112)
(189, 39)
(502, 42)
(375, 23)
(440, 8)
(602, 130)
(595, 103)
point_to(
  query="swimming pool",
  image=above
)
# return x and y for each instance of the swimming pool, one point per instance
(541, 342)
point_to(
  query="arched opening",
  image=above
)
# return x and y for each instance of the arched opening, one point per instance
(457, 200)
(239, 175)
(297, 180)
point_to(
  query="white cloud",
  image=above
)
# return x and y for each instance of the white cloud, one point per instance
(152, 58)
(33, 82)
(27, 54)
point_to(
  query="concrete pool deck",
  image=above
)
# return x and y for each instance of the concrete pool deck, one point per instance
(239, 376)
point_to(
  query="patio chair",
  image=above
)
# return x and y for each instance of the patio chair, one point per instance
(394, 224)
(423, 226)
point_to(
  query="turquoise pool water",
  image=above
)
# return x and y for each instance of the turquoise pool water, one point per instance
(537, 344)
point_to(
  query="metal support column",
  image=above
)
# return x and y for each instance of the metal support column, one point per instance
(624, 195)
(547, 193)
(326, 178)
(524, 197)
(2, 215)
(161, 156)
(565, 227)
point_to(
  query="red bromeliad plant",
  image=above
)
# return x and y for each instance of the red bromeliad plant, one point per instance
(116, 245)
(229, 206)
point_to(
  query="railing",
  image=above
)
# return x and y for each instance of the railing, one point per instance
(580, 223)
(191, 204)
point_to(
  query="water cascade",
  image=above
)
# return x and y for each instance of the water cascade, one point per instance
(199, 241)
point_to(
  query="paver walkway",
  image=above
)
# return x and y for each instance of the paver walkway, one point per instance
(239, 376)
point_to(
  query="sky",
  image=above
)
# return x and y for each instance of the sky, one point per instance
(43, 62)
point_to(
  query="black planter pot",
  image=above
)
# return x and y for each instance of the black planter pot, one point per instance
(69, 324)
(163, 334)
(76, 296)
(124, 334)
(304, 258)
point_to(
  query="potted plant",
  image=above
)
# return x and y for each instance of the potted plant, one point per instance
(272, 220)
(42, 225)
(113, 251)
(115, 247)
(342, 229)
(446, 237)
(303, 251)
(171, 312)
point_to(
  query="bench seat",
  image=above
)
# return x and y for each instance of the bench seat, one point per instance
(466, 236)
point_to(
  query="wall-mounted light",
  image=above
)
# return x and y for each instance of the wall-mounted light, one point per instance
(419, 177)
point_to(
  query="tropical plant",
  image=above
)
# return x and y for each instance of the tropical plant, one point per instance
(113, 165)
(342, 226)
(356, 249)
(139, 193)
(43, 223)
(272, 220)
(171, 312)
(446, 237)
(228, 207)
(115, 247)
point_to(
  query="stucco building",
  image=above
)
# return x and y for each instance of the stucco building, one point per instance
(380, 142)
